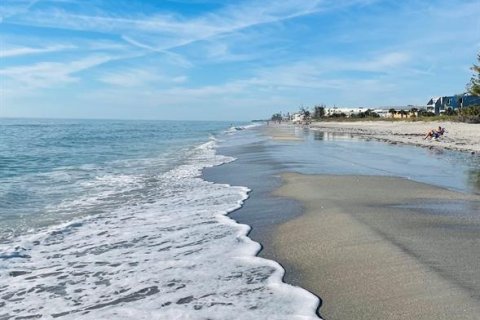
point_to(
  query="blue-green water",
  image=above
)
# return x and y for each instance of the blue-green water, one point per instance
(112, 220)
(53, 168)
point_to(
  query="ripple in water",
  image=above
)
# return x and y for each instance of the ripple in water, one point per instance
(176, 257)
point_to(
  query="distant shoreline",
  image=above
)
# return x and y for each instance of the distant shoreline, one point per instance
(459, 136)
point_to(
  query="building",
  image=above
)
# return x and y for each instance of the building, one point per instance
(297, 118)
(383, 113)
(439, 105)
(399, 112)
(335, 111)
(468, 100)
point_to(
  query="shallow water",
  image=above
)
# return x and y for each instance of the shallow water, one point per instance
(332, 153)
(108, 219)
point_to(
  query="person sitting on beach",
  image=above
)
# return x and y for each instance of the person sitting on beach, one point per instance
(435, 133)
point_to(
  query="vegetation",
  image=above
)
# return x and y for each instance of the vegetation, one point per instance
(470, 114)
(319, 112)
(450, 112)
(305, 112)
(369, 113)
(425, 113)
(277, 117)
(474, 86)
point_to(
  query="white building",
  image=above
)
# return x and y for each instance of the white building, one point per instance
(346, 111)
(297, 118)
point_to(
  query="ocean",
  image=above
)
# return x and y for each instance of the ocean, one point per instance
(105, 219)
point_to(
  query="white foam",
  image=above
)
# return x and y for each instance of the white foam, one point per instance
(173, 257)
(234, 129)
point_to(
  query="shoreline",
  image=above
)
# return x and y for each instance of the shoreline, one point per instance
(463, 137)
(413, 247)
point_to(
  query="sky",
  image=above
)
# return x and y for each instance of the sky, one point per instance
(229, 60)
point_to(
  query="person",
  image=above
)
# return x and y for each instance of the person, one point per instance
(435, 133)
(440, 131)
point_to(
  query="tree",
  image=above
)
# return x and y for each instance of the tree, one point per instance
(277, 117)
(450, 112)
(425, 113)
(319, 112)
(403, 113)
(370, 113)
(414, 112)
(474, 86)
(305, 112)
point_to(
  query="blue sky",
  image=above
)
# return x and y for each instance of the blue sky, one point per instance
(221, 60)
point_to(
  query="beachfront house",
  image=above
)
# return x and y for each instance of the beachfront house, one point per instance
(297, 118)
(439, 105)
(343, 112)
(468, 100)
(399, 112)
(383, 113)
(434, 105)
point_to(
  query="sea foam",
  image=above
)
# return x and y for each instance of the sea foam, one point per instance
(175, 255)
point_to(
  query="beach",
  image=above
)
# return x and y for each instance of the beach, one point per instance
(368, 257)
(458, 136)
(376, 230)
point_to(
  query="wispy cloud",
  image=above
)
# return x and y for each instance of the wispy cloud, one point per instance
(161, 32)
(10, 8)
(140, 77)
(244, 53)
(21, 51)
(46, 74)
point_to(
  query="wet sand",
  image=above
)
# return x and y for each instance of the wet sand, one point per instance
(283, 132)
(371, 248)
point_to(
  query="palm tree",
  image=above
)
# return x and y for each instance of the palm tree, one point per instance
(414, 112)
(403, 113)
(392, 112)
(474, 86)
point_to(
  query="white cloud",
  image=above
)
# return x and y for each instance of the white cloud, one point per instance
(45, 74)
(159, 32)
(20, 51)
(11, 8)
(140, 77)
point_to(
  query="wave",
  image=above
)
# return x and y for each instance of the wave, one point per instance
(172, 254)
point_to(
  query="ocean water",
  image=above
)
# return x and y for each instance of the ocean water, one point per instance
(112, 220)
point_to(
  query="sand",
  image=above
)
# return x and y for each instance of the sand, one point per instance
(459, 136)
(284, 132)
(369, 258)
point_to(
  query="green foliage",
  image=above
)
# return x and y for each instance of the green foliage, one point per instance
(425, 113)
(470, 114)
(450, 112)
(277, 117)
(319, 112)
(305, 112)
(474, 86)
(471, 111)
(369, 113)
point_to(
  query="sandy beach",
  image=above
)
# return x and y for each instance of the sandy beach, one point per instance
(458, 136)
(365, 248)
(375, 230)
